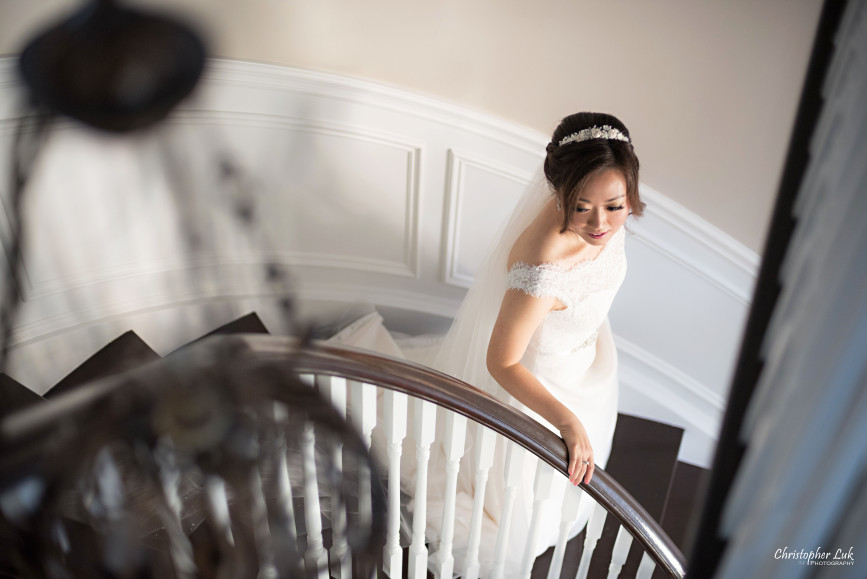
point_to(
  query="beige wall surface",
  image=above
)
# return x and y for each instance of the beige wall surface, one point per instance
(708, 89)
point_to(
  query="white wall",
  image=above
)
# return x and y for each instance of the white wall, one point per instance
(370, 195)
(708, 89)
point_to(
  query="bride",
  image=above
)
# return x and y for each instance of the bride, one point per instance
(533, 329)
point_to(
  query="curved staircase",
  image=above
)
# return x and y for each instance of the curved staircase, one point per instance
(643, 461)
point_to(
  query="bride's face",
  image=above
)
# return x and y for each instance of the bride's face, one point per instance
(602, 208)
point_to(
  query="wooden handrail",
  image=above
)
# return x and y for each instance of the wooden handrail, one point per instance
(453, 394)
(396, 374)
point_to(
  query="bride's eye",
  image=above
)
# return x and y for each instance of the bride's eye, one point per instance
(618, 208)
(581, 210)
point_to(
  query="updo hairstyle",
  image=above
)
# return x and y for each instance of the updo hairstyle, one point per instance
(568, 167)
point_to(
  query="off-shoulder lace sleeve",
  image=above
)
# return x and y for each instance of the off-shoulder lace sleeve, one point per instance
(545, 280)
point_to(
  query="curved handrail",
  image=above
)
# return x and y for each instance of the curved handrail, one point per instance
(453, 394)
(402, 376)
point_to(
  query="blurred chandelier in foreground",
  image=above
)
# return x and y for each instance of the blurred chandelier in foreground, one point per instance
(113, 67)
(212, 462)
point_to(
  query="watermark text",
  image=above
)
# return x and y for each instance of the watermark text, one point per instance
(817, 556)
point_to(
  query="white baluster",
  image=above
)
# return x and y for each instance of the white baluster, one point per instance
(362, 398)
(394, 418)
(365, 507)
(218, 507)
(109, 485)
(333, 388)
(316, 556)
(484, 458)
(512, 473)
(308, 379)
(646, 567)
(284, 493)
(61, 537)
(571, 502)
(261, 528)
(453, 445)
(594, 531)
(620, 552)
(425, 431)
(284, 485)
(542, 488)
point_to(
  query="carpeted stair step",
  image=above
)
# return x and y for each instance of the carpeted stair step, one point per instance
(246, 324)
(684, 499)
(644, 465)
(124, 353)
(643, 460)
(15, 396)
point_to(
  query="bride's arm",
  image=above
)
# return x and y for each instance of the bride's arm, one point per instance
(520, 315)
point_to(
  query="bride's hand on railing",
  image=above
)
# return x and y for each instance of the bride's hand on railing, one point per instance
(580, 451)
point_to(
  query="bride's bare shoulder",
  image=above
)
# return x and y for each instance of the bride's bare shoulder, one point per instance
(536, 245)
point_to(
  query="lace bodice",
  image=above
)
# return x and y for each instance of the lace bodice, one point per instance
(587, 289)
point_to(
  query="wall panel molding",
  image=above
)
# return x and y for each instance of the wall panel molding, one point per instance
(654, 366)
(653, 388)
(407, 266)
(456, 192)
(354, 91)
(732, 267)
(437, 167)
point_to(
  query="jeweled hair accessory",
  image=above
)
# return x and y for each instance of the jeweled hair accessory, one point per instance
(603, 132)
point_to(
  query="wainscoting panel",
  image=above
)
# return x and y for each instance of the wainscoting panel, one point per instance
(369, 196)
(480, 197)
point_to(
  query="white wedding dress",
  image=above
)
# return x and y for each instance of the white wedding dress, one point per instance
(572, 351)
(573, 355)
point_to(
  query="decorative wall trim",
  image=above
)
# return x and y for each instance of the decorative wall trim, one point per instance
(25, 281)
(9, 72)
(707, 236)
(456, 163)
(667, 404)
(9, 124)
(355, 90)
(58, 324)
(409, 267)
(352, 90)
(654, 365)
(699, 268)
(226, 290)
(701, 231)
(379, 296)
(652, 388)
(440, 141)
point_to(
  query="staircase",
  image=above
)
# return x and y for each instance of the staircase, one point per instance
(643, 459)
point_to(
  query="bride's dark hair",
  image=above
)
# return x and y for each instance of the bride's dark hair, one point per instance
(569, 166)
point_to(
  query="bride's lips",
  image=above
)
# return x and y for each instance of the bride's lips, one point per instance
(597, 235)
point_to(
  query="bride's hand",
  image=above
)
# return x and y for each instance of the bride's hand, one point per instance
(579, 449)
